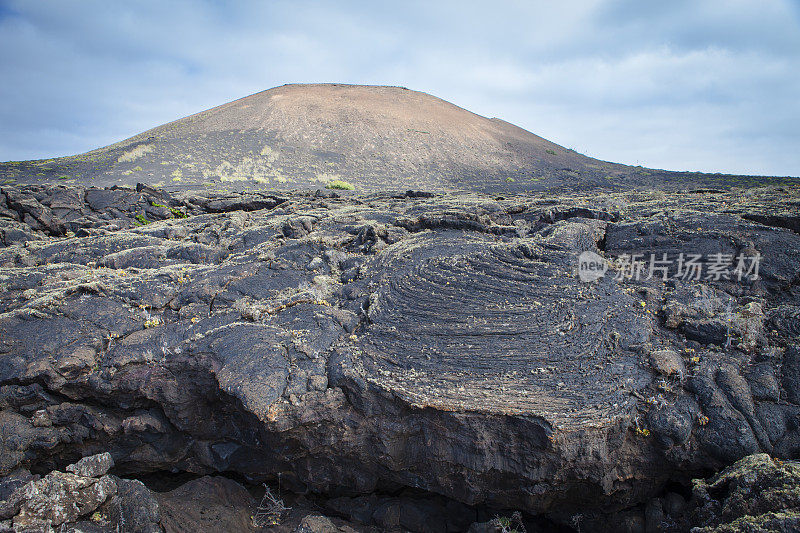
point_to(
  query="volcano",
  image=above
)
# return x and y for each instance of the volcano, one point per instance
(373, 138)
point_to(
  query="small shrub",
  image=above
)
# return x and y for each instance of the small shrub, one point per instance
(177, 213)
(340, 184)
(135, 153)
(65, 177)
(510, 524)
(270, 510)
(141, 219)
(510, 180)
(551, 152)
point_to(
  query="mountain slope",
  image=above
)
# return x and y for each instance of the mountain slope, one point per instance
(373, 137)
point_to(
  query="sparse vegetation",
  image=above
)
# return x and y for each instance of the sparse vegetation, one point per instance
(551, 152)
(510, 180)
(270, 510)
(269, 154)
(142, 220)
(135, 153)
(511, 524)
(340, 184)
(177, 213)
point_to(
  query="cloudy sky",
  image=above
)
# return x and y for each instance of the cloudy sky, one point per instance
(711, 85)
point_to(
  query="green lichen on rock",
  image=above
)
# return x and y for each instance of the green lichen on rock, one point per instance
(767, 522)
(757, 493)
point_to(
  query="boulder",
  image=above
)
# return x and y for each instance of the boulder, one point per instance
(668, 363)
(207, 504)
(93, 466)
(757, 493)
(59, 497)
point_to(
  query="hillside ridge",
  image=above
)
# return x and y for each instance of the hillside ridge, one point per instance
(375, 138)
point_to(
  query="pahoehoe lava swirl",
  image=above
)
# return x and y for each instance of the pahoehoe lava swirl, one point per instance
(470, 323)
